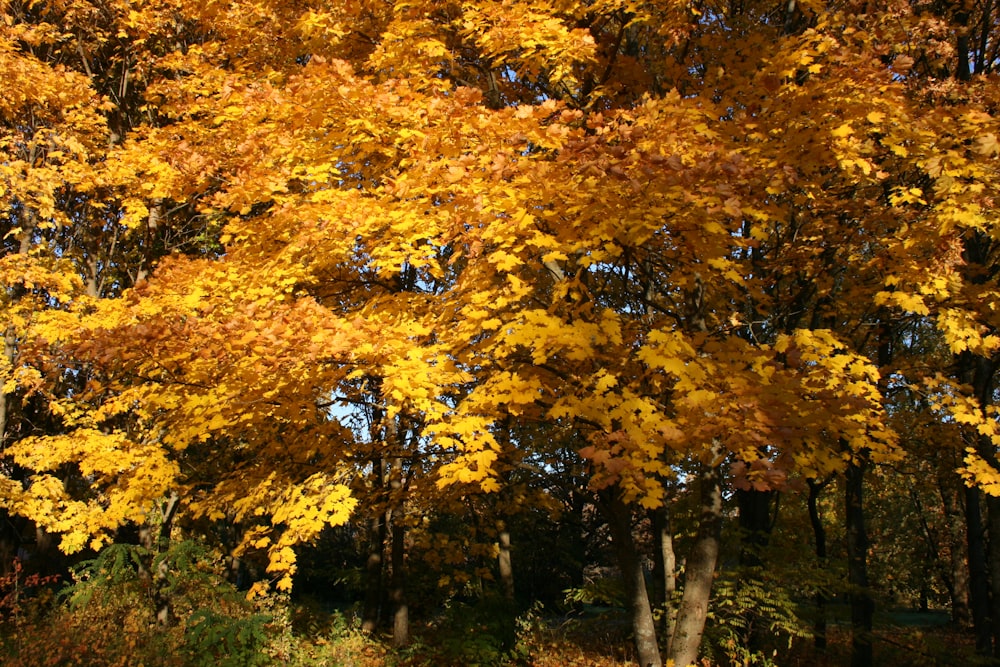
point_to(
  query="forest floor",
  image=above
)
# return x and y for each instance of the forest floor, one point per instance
(902, 639)
(462, 636)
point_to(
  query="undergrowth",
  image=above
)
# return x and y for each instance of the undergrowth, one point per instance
(106, 615)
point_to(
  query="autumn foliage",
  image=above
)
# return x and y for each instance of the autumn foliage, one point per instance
(273, 269)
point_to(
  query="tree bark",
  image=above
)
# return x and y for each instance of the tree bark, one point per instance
(9, 335)
(961, 614)
(397, 591)
(579, 501)
(983, 62)
(643, 627)
(373, 574)
(819, 536)
(962, 70)
(504, 564)
(993, 557)
(164, 608)
(664, 579)
(862, 604)
(370, 615)
(9, 354)
(977, 373)
(979, 590)
(44, 542)
(699, 572)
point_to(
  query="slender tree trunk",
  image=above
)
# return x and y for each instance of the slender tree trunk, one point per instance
(401, 611)
(658, 577)
(819, 536)
(579, 501)
(993, 557)
(507, 612)
(9, 335)
(986, 449)
(977, 372)
(643, 628)
(8, 539)
(397, 592)
(161, 597)
(983, 65)
(7, 429)
(699, 572)
(862, 604)
(664, 579)
(373, 573)
(979, 588)
(958, 555)
(962, 71)
(670, 581)
(504, 564)
(374, 563)
(9, 355)
(157, 210)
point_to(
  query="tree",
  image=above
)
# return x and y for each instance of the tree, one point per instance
(255, 249)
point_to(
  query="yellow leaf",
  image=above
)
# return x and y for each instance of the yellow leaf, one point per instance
(843, 131)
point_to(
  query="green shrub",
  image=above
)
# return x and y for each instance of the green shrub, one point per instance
(107, 615)
(212, 639)
(481, 634)
(604, 591)
(748, 606)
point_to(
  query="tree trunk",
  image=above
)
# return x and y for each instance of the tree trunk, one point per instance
(986, 20)
(504, 564)
(397, 592)
(958, 579)
(643, 628)
(699, 572)
(9, 335)
(664, 577)
(862, 604)
(577, 527)
(977, 372)
(979, 589)
(401, 611)
(962, 70)
(370, 615)
(161, 598)
(9, 355)
(9, 542)
(993, 558)
(819, 536)
(373, 574)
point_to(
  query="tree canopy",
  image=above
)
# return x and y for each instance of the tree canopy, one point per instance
(294, 264)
